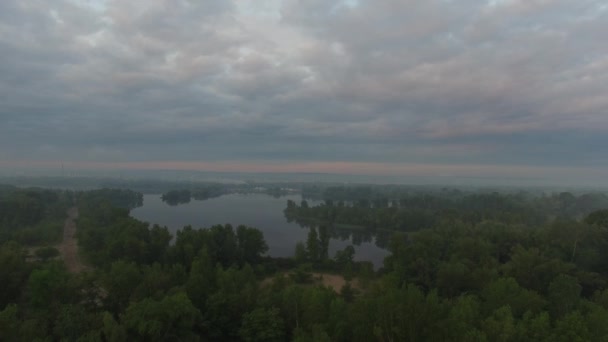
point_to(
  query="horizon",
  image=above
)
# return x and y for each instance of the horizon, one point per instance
(212, 176)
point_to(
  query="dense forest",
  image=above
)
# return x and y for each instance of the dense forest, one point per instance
(32, 216)
(474, 267)
(208, 191)
(411, 211)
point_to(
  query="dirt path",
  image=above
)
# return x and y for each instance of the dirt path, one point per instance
(69, 246)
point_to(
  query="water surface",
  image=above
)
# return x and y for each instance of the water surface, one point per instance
(255, 210)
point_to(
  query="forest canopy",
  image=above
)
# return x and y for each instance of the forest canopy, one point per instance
(485, 267)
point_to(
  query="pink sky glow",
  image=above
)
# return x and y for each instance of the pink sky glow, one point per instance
(333, 167)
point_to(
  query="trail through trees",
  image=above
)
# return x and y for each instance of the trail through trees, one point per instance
(69, 246)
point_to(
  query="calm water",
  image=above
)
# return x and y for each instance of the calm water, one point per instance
(255, 210)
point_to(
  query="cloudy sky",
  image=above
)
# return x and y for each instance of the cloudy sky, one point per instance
(497, 88)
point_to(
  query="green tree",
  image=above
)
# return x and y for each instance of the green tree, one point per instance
(251, 244)
(345, 256)
(564, 294)
(9, 323)
(534, 327)
(236, 295)
(47, 287)
(598, 218)
(201, 281)
(13, 273)
(120, 282)
(301, 255)
(500, 326)
(347, 292)
(312, 245)
(171, 318)
(73, 322)
(263, 324)
(507, 292)
(45, 253)
(112, 330)
(571, 328)
(324, 238)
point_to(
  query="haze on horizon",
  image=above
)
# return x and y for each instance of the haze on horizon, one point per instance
(495, 89)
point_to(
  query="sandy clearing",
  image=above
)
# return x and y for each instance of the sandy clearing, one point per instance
(334, 281)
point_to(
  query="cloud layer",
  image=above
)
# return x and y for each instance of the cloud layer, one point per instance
(511, 82)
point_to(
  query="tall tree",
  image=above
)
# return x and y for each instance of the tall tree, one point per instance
(312, 245)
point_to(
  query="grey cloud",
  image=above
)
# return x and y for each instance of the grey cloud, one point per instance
(382, 81)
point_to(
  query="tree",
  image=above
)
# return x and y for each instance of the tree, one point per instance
(324, 238)
(47, 287)
(13, 273)
(236, 295)
(251, 244)
(500, 326)
(171, 318)
(507, 292)
(312, 245)
(73, 322)
(564, 294)
(534, 327)
(201, 281)
(598, 218)
(120, 282)
(345, 256)
(347, 292)
(263, 324)
(571, 327)
(9, 323)
(111, 329)
(45, 253)
(301, 255)
(366, 274)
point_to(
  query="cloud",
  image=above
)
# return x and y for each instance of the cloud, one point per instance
(386, 81)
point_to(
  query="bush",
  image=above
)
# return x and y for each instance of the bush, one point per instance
(46, 253)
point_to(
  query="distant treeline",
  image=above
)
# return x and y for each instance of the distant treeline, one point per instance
(208, 191)
(32, 216)
(200, 193)
(416, 211)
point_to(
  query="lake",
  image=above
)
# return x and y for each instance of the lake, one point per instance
(255, 210)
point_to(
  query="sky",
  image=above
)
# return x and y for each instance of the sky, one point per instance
(469, 88)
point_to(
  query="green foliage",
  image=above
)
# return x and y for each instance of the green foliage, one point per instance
(312, 245)
(175, 197)
(368, 208)
(564, 294)
(74, 322)
(302, 274)
(201, 281)
(507, 292)
(222, 243)
(348, 292)
(13, 273)
(47, 287)
(32, 216)
(483, 271)
(9, 323)
(263, 324)
(598, 218)
(171, 318)
(119, 282)
(45, 253)
(301, 255)
(118, 198)
(236, 293)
